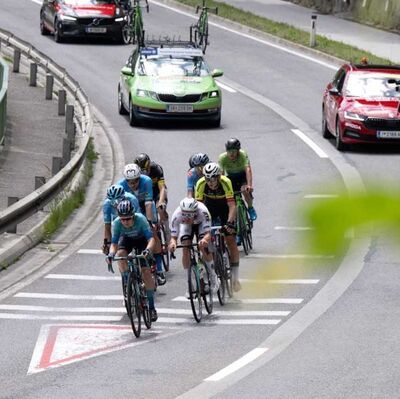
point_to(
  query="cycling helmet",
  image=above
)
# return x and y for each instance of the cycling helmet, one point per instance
(115, 193)
(143, 160)
(198, 159)
(232, 144)
(131, 171)
(211, 170)
(189, 205)
(125, 208)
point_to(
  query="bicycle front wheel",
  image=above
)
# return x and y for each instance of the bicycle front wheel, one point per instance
(243, 230)
(164, 248)
(194, 292)
(134, 309)
(145, 307)
(207, 295)
(219, 270)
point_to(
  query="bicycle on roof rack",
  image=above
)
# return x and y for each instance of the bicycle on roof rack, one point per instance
(201, 27)
(133, 31)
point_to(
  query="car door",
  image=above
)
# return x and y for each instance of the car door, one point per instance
(334, 98)
(48, 13)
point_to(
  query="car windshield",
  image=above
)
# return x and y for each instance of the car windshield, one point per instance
(88, 2)
(172, 67)
(372, 85)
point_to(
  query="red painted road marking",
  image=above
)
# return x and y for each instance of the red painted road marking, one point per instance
(62, 344)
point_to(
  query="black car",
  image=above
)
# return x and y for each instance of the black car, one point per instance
(83, 18)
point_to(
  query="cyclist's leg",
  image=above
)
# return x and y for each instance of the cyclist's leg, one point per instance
(125, 245)
(209, 262)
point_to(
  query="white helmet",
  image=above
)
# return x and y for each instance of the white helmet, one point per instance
(211, 169)
(189, 205)
(131, 171)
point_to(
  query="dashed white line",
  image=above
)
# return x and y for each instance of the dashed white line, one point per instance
(36, 295)
(317, 149)
(294, 228)
(90, 252)
(226, 87)
(289, 256)
(252, 301)
(288, 281)
(313, 196)
(82, 277)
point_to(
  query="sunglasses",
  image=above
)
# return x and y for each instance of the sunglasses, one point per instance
(188, 215)
(133, 181)
(126, 219)
(212, 179)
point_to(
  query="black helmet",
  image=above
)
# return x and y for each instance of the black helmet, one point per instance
(198, 159)
(125, 208)
(142, 160)
(232, 144)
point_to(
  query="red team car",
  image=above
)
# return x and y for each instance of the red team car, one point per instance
(361, 105)
(83, 18)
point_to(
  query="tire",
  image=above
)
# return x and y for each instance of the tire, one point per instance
(125, 35)
(124, 292)
(215, 122)
(134, 309)
(228, 275)
(326, 134)
(203, 38)
(340, 146)
(243, 230)
(164, 248)
(43, 30)
(207, 297)
(194, 292)
(219, 269)
(145, 307)
(58, 37)
(133, 121)
(249, 226)
(121, 108)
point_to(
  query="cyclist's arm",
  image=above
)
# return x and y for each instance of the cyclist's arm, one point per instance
(163, 192)
(249, 176)
(148, 198)
(199, 190)
(230, 199)
(107, 232)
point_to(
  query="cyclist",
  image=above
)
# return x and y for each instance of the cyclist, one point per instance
(192, 218)
(156, 174)
(141, 185)
(196, 163)
(115, 194)
(236, 165)
(215, 190)
(130, 231)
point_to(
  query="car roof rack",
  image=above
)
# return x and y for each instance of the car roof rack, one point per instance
(376, 66)
(167, 41)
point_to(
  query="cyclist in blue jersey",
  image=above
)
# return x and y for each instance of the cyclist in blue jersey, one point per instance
(131, 231)
(115, 194)
(142, 187)
(196, 163)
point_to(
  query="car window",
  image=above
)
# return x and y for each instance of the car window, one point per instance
(339, 79)
(172, 67)
(372, 85)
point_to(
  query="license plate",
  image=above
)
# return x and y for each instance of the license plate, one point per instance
(382, 134)
(96, 30)
(179, 108)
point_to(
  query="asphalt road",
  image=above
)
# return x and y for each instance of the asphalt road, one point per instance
(86, 348)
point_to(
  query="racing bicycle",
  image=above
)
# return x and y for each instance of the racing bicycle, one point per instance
(135, 296)
(244, 223)
(133, 31)
(221, 264)
(201, 27)
(199, 284)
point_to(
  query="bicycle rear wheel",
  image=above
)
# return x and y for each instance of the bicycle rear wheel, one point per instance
(207, 296)
(203, 38)
(194, 292)
(134, 309)
(219, 270)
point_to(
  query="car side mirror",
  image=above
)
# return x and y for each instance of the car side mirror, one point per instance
(334, 91)
(217, 73)
(127, 71)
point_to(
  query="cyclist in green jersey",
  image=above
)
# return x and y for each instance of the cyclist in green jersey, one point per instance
(236, 165)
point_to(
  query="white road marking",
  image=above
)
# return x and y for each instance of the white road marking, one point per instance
(37, 295)
(22, 316)
(310, 143)
(208, 320)
(82, 277)
(289, 281)
(289, 256)
(90, 252)
(121, 309)
(313, 196)
(251, 301)
(294, 228)
(238, 364)
(37, 2)
(226, 87)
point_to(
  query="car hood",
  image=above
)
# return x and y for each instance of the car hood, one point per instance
(179, 86)
(106, 10)
(374, 108)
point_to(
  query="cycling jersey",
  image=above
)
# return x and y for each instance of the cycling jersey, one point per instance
(192, 178)
(110, 212)
(139, 229)
(202, 219)
(144, 192)
(156, 175)
(234, 167)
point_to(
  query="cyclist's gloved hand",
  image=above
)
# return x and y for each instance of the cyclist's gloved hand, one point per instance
(230, 227)
(110, 258)
(146, 253)
(106, 247)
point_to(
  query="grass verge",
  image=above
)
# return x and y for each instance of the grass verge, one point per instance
(290, 33)
(66, 204)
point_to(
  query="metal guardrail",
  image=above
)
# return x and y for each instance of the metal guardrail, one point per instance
(35, 201)
(3, 98)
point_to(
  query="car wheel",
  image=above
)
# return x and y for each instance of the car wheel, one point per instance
(133, 120)
(326, 134)
(215, 122)
(340, 146)
(121, 109)
(58, 37)
(125, 36)
(43, 30)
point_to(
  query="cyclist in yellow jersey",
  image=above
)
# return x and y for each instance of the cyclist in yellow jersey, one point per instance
(236, 165)
(215, 190)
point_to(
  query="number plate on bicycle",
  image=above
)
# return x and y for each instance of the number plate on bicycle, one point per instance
(179, 108)
(96, 30)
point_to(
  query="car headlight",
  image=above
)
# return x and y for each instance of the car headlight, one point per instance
(64, 17)
(214, 94)
(119, 19)
(353, 116)
(147, 93)
(210, 94)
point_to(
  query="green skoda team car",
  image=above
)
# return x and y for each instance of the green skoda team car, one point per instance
(169, 83)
